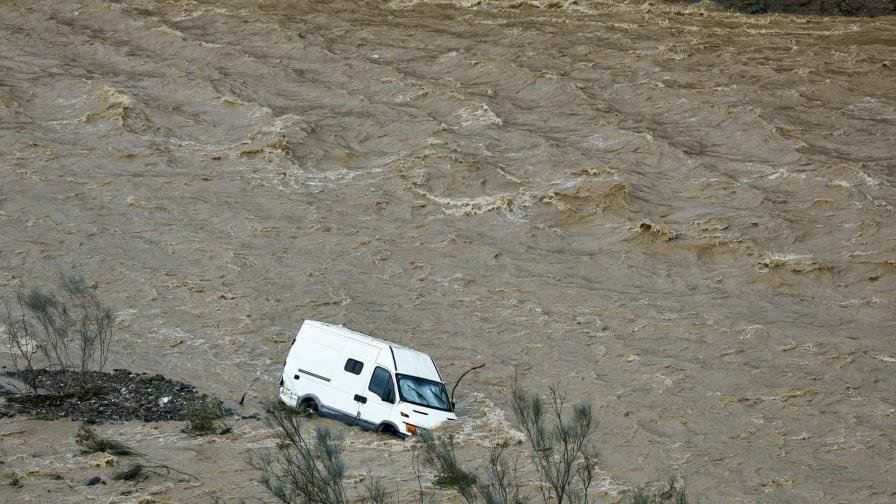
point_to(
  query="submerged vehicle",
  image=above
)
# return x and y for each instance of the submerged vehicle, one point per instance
(365, 381)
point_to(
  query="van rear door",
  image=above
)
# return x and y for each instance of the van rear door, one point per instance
(310, 366)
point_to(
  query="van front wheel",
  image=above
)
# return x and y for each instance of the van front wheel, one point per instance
(387, 429)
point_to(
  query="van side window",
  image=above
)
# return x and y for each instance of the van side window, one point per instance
(381, 385)
(353, 366)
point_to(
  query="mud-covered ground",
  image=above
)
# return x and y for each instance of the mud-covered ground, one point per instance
(684, 216)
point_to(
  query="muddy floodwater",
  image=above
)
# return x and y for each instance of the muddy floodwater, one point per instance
(684, 217)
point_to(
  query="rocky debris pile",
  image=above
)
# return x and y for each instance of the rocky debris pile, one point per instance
(117, 396)
(852, 8)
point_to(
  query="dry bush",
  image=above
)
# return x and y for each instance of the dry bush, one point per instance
(68, 330)
(500, 486)
(307, 467)
(559, 444)
(439, 455)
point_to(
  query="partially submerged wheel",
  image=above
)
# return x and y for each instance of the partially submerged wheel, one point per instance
(308, 407)
(388, 429)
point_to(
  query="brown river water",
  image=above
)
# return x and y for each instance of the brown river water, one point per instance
(684, 217)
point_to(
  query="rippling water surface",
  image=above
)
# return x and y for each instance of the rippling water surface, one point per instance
(684, 216)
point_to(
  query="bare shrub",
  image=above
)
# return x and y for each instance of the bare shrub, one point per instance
(70, 330)
(500, 486)
(559, 448)
(559, 444)
(423, 497)
(374, 492)
(439, 455)
(307, 467)
(22, 345)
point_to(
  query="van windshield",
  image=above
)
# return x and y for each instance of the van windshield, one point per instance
(423, 392)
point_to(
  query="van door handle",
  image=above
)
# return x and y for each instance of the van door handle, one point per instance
(361, 399)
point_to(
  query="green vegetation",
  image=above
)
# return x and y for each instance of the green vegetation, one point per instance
(46, 416)
(91, 442)
(499, 486)
(439, 455)
(207, 417)
(560, 449)
(133, 473)
(308, 467)
(70, 332)
(14, 480)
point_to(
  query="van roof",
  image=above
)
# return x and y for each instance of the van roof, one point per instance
(407, 360)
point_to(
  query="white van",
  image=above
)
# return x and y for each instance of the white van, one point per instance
(363, 381)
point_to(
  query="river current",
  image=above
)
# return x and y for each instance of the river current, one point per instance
(682, 216)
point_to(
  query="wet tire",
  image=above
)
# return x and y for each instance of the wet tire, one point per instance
(308, 407)
(388, 430)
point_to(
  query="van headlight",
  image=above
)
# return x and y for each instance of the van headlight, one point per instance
(414, 429)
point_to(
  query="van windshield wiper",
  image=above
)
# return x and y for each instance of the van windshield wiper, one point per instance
(417, 391)
(432, 395)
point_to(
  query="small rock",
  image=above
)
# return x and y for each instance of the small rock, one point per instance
(93, 481)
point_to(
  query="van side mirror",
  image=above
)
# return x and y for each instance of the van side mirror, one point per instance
(453, 405)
